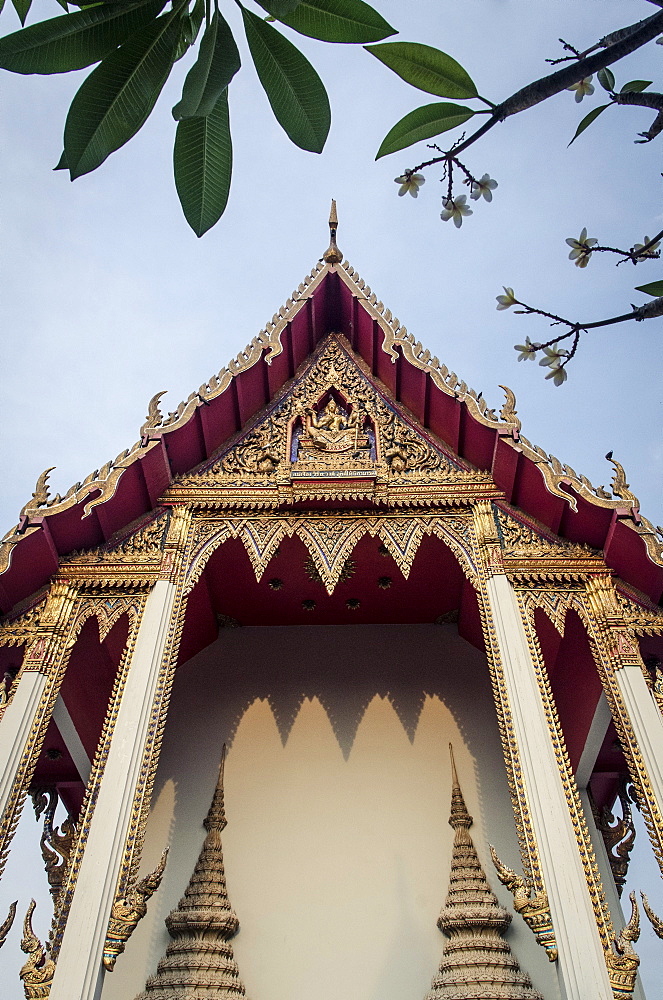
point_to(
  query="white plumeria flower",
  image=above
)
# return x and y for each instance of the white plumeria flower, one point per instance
(411, 183)
(527, 350)
(650, 251)
(507, 300)
(455, 208)
(484, 187)
(557, 374)
(580, 249)
(553, 357)
(582, 88)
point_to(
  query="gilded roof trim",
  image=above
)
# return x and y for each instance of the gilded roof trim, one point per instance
(102, 484)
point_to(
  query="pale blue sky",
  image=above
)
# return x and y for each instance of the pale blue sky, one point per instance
(108, 296)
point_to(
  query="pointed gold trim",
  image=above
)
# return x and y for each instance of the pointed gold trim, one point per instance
(654, 919)
(7, 925)
(102, 484)
(332, 254)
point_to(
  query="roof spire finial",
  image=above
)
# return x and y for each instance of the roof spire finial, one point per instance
(332, 254)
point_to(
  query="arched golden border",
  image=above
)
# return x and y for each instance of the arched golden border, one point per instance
(331, 540)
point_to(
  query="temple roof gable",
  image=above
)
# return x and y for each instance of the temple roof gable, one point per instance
(333, 298)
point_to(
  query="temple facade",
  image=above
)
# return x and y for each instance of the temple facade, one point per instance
(238, 656)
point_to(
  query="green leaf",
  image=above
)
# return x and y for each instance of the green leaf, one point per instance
(72, 41)
(62, 162)
(197, 15)
(118, 96)
(338, 21)
(22, 8)
(606, 79)
(203, 166)
(218, 61)
(63, 4)
(588, 119)
(425, 68)
(279, 8)
(635, 86)
(294, 89)
(422, 123)
(654, 288)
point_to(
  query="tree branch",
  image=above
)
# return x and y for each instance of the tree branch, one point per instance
(547, 86)
(628, 40)
(648, 100)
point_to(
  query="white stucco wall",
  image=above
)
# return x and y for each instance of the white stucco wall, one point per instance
(337, 847)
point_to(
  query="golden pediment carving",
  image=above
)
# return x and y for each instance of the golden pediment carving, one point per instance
(333, 423)
(520, 541)
(144, 545)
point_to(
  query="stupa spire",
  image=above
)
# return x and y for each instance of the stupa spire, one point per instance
(199, 962)
(332, 254)
(477, 961)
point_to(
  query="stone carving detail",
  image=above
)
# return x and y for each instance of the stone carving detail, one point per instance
(623, 963)
(477, 961)
(199, 960)
(533, 909)
(56, 844)
(6, 926)
(128, 910)
(618, 833)
(37, 973)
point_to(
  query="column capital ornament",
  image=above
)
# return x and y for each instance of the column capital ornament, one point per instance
(602, 597)
(534, 909)
(128, 910)
(487, 537)
(623, 963)
(37, 973)
(176, 541)
(56, 614)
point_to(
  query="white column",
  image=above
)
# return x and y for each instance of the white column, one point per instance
(79, 972)
(646, 722)
(71, 739)
(15, 728)
(581, 963)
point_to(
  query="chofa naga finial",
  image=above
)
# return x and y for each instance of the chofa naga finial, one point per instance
(332, 254)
